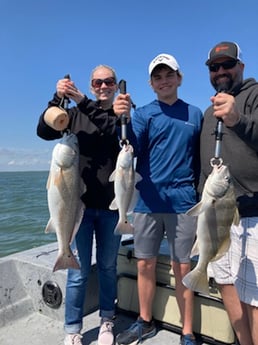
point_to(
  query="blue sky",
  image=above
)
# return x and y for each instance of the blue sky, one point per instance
(42, 40)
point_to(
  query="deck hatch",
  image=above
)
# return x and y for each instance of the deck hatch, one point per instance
(52, 294)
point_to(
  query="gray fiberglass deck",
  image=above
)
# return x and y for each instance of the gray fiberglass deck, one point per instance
(32, 300)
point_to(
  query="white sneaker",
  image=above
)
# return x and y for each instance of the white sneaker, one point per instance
(106, 336)
(73, 339)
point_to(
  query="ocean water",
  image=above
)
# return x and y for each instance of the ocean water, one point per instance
(23, 211)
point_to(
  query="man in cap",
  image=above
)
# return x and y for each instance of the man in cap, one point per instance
(167, 147)
(236, 104)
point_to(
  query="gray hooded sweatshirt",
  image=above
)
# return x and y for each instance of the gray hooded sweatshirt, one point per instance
(239, 147)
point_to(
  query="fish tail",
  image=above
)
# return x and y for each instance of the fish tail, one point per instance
(197, 280)
(50, 227)
(124, 228)
(65, 261)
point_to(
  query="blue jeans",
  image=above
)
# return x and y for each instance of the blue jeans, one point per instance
(102, 222)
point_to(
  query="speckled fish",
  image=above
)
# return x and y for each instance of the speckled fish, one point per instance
(216, 212)
(64, 188)
(125, 178)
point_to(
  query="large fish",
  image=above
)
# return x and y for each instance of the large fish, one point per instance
(64, 188)
(125, 177)
(216, 212)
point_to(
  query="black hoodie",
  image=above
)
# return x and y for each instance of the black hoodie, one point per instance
(97, 134)
(239, 148)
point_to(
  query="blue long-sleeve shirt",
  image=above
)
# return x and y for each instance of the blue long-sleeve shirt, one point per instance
(167, 149)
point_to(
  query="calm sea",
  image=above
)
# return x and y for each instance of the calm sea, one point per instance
(23, 211)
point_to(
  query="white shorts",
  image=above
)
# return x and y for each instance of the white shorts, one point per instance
(240, 264)
(220, 270)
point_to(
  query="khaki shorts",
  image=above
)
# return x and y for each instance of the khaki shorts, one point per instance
(240, 264)
(150, 229)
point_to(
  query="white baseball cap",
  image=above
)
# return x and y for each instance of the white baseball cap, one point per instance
(164, 59)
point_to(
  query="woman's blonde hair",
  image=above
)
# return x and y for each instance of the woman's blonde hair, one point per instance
(103, 66)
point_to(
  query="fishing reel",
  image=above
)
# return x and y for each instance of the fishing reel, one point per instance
(57, 117)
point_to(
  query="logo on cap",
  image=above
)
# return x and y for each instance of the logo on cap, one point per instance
(221, 48)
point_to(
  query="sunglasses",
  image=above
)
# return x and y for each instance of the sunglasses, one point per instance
(98, 82)
(225, 65)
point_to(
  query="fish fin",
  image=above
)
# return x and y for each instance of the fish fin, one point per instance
(58, 177)
(112, 176)
(197, 280)
(113, 205)
(134, 162)
(236, 219)
(48, 180)
(66, 261)
(223, 249)
(218, 256)
(78, 221)
(199, 208)
(138, 177)
(195, 249)
(124, 228)
(50, 227)
(83, 188)
(195, 210)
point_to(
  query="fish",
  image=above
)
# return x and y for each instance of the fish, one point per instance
(125, 178)
(216, 212)
(64, 188)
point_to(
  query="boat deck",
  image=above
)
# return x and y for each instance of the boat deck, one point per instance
(32, 300)
(38, 329)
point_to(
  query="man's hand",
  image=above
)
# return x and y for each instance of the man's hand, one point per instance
(225, 108)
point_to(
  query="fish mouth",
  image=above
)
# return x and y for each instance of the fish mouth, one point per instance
(128, 148)
(223, 169)
(220, 168)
